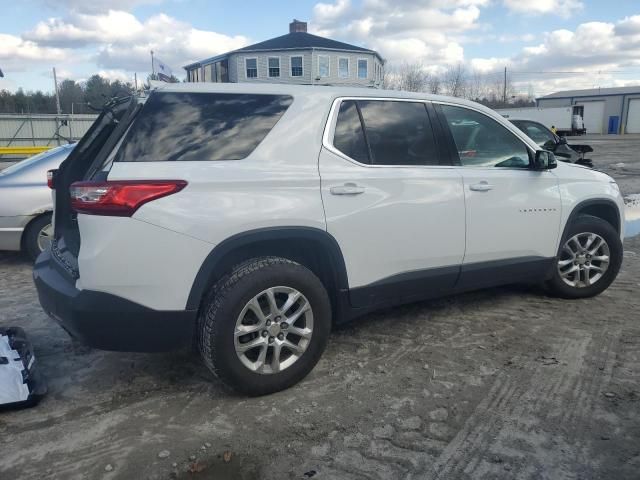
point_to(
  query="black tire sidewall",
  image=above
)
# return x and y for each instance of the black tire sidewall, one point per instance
(30, 243)
(227, 364)
(589, 224)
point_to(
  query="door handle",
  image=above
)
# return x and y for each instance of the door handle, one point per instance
(481, 187)
(347, 189)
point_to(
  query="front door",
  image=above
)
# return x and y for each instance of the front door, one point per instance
(513, 212)
(392, 201)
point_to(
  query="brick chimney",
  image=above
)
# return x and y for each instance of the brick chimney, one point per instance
(297, 26)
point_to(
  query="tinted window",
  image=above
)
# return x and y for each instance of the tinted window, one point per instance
(399, 133)
(201, 126)
(349, 137)
(481, 141)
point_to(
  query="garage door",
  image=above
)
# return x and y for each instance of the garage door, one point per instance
(633, 117)
(593, 116)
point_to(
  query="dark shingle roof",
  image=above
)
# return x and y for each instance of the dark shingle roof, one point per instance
(302, 40)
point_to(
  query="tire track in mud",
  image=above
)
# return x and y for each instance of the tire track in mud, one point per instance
(523, 409)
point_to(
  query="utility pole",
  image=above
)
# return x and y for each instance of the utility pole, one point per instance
(135, 80)
(55, 85)
(153, 68)
(504, 89)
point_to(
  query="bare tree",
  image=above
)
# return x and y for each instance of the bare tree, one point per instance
(476, 86)
(434, 84)
(410, 77)
(455, 80)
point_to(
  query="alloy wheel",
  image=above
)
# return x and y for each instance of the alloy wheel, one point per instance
(273, 330)
(584, 259)
(45, 237)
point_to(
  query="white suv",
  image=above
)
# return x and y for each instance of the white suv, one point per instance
(251, 217)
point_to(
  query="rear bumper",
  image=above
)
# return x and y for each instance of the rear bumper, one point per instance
(106, 321)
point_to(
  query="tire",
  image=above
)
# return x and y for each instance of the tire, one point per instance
(32, 241)
(227, 306)
(584, 229)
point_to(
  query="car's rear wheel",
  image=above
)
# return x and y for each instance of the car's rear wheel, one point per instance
(38, 235)
(588, 260)
(264, 327)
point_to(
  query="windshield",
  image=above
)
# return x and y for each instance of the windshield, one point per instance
(41, 157)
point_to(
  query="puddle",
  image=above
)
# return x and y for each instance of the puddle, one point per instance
(632, 215)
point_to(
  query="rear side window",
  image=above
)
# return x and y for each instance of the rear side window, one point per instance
(201, 126)
(349, 136)
(394, 133)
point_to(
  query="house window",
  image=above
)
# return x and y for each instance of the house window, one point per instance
(274, 66)
(343, 67)
(363, 68)
(252, 67)
(323, 66)
(296, 66)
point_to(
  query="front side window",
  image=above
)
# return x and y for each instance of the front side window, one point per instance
(343, 67)
(252, 67)
(323, 66)
(363, 68)
(483, 142)
(296, 66)
(274, 67)
(181, 126)
(394, 133)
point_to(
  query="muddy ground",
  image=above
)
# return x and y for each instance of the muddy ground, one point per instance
(503, 383)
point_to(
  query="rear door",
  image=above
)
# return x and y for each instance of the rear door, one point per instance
(392, 199)
(513, 212)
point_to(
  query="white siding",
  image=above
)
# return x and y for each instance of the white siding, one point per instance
(237, 71)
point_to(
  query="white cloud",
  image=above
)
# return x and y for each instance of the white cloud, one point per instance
(424, 31)
(599, 49)
(563, 8)
(18, 54)
(123, 42)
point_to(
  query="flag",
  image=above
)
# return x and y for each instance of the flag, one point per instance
(162, 69)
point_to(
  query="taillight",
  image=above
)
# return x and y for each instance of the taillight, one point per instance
(50, 176)
(119, 198)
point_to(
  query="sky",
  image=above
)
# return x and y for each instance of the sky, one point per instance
(546, 45)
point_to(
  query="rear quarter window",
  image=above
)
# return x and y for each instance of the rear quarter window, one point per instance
(201, 126)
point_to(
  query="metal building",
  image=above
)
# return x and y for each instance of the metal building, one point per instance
(297, 57)
(604, 110)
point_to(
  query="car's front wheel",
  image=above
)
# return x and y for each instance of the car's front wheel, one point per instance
(589, 259)
(264, 326)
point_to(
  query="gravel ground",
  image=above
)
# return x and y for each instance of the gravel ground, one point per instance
(502, 383)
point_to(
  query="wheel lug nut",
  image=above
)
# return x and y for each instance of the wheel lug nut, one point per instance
(284, 325)
(271, 339)
(268, 322)
(264, 333)
(277, 318)
(281, 336)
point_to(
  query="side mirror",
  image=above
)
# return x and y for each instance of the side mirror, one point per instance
(563, 140)
(544, 160)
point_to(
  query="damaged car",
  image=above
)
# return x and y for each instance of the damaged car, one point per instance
(548, 140)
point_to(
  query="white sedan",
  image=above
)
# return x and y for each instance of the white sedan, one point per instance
(26, 203)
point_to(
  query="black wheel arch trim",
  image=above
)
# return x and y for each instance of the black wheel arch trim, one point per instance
(576, 212)
(209, 267)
